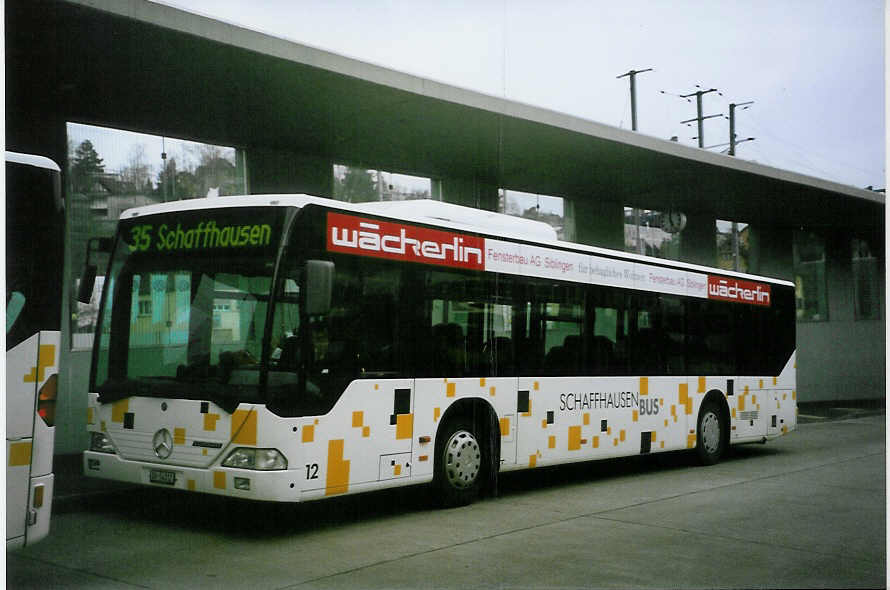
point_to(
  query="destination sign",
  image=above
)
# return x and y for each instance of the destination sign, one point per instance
(235, 228)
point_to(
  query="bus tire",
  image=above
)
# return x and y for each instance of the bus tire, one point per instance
(460, 461)
(710, 434)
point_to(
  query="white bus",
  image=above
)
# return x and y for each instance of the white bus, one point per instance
(34, 238)
(291, 348)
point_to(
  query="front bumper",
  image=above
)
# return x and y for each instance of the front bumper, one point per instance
(272, 486)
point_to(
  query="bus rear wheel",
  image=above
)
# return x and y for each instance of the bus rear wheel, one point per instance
(711, 434)
(459, 464)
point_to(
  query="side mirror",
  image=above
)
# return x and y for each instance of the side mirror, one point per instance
(88, 277)
(319, 283)
(87, 282)
(13, 308)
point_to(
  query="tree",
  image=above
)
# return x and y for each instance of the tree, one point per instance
(166, 187)
(215, 168)
(215, 172)
(187, 185)
(136, 175)
(355, 186)
(85, 166)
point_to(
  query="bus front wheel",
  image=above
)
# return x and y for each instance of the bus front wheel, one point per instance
(459, 464)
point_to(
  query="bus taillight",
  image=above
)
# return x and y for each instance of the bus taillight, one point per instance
(46, 400)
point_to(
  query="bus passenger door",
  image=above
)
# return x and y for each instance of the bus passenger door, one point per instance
(20, 395)
(31, 367)
(525, 445)
(508, 421)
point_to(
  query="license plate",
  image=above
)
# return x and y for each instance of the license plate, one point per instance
(164, 477)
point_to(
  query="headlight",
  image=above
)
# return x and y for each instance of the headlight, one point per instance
(101, 443)
(257, 459)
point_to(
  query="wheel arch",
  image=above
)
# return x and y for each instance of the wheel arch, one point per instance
(485, 420)
(717, 397)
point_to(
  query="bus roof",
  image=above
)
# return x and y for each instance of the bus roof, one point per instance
(32, 160)
(446, 215)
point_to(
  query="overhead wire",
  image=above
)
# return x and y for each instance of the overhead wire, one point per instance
(803, 153)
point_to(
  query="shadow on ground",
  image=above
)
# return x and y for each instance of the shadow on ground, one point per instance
(226, 516)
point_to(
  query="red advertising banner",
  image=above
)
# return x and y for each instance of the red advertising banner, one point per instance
(382, 239)
(725, 289)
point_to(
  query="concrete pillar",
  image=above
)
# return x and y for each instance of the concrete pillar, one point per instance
(276, 171)
(698, 241)
(599, 223)
(470, 192)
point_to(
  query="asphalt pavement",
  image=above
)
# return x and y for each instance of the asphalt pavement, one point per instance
(805, 510)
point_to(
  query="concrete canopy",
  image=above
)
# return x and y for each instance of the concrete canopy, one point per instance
(136, 65)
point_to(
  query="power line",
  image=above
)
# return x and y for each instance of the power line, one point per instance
(809, 150)
(799, 162)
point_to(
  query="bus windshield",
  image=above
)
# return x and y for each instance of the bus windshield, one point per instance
(184, 307)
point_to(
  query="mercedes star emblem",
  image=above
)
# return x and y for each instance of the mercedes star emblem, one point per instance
(162, 443)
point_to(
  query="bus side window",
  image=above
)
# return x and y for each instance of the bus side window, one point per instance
(603, 342)
(673, 332)
(464, 330)
(647, 338)
(711, 345)
(606, 332)
(558, 339)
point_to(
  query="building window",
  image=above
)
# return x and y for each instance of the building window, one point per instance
(732, 245)
(361, 185)
(866, 288)
(644, 234)
(810, 288)
(556, 212)
(111, 170)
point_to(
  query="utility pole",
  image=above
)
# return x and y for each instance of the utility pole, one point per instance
(732, 144)
(732, 141)
(700, 119)
(632, 74)
(633, 94)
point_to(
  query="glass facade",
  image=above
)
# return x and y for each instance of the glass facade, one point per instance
(866, 281)
(111, 170)
(732, 245)
(557, 212)
(644, 234)
(361, 185)
(810, 286)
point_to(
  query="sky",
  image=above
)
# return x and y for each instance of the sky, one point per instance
(814, 68)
